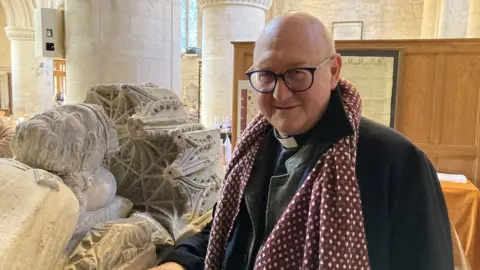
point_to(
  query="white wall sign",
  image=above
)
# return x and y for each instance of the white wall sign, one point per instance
(347, 30)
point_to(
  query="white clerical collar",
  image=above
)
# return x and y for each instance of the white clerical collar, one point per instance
(287, 142)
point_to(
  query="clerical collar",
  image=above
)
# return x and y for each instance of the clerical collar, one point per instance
(333, 125)
(287, 142)
(295, 141)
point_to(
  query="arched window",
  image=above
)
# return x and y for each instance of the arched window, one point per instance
(189, 24)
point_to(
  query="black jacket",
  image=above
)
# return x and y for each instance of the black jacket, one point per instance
(406, 219)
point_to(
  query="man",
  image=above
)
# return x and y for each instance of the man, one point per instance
(312, 185)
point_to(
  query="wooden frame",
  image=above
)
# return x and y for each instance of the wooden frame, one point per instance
(397, 55)
(5, 92)
(243, 87)
(244, 53)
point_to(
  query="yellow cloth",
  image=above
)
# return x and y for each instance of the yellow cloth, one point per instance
(464, 212)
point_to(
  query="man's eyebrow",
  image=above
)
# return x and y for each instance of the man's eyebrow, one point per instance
(268, 66)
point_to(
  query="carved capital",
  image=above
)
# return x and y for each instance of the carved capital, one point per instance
(20, 33)
(262, 4)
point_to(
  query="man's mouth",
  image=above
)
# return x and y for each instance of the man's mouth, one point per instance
(284, 107)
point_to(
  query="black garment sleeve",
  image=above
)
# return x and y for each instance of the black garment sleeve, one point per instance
(419, 224)
(190, 253)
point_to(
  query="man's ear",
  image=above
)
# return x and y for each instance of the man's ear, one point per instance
(336, 67)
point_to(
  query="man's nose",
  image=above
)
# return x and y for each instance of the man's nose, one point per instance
(281, 92)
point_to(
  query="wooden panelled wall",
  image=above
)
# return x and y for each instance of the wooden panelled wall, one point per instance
(438, 99)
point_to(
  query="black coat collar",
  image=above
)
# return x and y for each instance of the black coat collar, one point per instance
(333, 126)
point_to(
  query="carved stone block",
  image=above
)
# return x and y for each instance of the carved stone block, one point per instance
(167, 165)
(119, 208)
(123, 244)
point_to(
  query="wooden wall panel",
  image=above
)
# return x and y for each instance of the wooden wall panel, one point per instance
(455, 165)
(419, 74)
(459, 116)
(438, 99)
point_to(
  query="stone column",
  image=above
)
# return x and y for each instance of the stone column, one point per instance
(32, 79)
(442, 19)
(473, 29)
(225, 21)
(127, 41)
(453, 17)
(430, 18)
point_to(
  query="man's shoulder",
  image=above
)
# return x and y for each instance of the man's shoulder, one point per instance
(385, 142)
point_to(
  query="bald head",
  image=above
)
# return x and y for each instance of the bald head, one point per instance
(296, 29)
(300, 47)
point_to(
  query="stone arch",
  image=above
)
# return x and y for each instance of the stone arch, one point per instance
(19, 13)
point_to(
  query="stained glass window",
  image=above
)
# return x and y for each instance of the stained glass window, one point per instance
(189, 23)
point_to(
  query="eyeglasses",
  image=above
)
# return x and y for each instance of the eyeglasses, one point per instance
(296, 79)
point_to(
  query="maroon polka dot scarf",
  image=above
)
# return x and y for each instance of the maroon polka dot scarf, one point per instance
(322, 227)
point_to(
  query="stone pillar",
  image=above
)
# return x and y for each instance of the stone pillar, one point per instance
(473, 29)
(127, 41)
(442, 19)
(453, 18)
(430, 18)
(225, 21)
(32, 78)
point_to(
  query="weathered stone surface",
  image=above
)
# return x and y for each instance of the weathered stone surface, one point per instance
(122, 244)
(102, 190)
(70, 140)
(65, 139)
(35, 227)
(160, 236)
(119, 208)
(167, 165)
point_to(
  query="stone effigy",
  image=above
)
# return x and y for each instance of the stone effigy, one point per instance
(167, 165)
(35, 227)
(102, 190)
(119, 207)
(72, 142)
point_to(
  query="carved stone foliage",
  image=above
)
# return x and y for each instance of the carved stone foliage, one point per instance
(167, 165)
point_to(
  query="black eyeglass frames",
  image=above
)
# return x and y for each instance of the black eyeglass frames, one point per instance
(296, 79)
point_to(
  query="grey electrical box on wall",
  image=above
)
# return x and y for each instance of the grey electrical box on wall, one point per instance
(49, 33)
